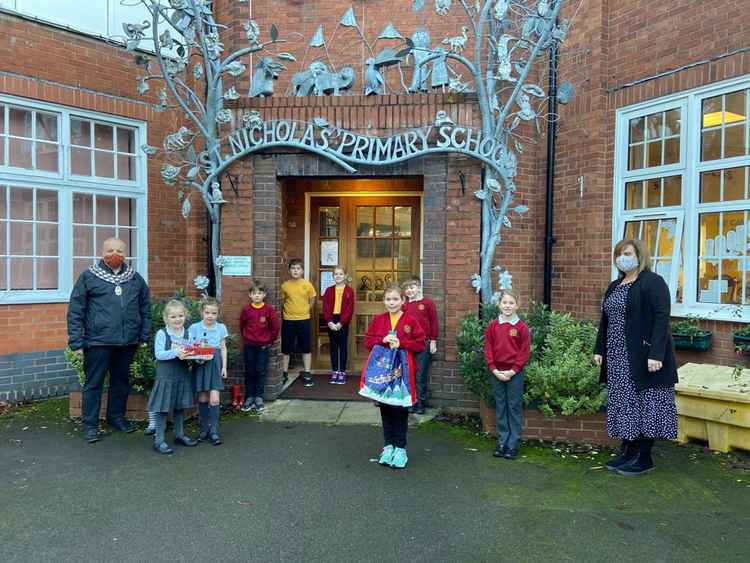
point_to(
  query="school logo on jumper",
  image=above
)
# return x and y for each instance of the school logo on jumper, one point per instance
(513, 332)
(263, 319)
(421, 307)
(407, 329)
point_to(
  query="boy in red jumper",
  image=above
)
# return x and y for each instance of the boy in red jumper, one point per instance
(507, 346)
(423, 309)
(259, 326)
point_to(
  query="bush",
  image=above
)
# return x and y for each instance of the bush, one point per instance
(143, 368)
(562, 378)
(471, 364)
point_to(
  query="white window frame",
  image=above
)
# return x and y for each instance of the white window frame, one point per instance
(690, 167)
(65, 184)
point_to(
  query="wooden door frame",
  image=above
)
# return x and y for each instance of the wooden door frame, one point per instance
(374, 195)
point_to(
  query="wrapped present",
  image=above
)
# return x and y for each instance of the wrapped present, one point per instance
(198, 351)
(388, 377)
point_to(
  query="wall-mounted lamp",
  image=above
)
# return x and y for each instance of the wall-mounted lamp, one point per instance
(462, 179)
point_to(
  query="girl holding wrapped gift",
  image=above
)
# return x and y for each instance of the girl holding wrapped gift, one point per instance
(395, 329)
(172, 389)
(209, 375)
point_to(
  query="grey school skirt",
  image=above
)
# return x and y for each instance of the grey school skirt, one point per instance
(172, 388)
(208, 374)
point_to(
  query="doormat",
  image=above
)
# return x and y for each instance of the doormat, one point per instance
(324, 391)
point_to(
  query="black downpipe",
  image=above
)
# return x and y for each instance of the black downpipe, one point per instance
(211, 289)
(549, 239)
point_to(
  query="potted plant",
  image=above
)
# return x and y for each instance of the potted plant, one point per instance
(688, 335)
(741, 339)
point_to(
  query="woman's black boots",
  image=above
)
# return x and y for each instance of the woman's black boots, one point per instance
(642, 461)
(628, 451)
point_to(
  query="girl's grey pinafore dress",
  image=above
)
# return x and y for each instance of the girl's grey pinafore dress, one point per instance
(172, 389)
(208, 374)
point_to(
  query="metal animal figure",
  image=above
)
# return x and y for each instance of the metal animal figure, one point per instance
(265, 73)
(458, 42)
(421, 50)
(334, 82)
(374, 81)
(304, 82)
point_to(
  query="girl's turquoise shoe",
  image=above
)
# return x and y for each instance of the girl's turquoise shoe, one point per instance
(386, 456)
(399, 458)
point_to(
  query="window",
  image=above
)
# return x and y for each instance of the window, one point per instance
(682, 185)
(58, 206)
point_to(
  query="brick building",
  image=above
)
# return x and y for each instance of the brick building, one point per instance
(655, 144)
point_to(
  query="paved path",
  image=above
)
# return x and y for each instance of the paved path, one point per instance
(288, 491)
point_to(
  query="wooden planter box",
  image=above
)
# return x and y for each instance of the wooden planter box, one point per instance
(712, 406)
(699, 343)
(590, 429)
(136, 409)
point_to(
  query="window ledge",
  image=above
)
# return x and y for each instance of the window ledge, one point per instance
(713, 312)
(32, 297)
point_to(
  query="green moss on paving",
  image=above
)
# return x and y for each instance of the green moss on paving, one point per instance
(48, 411)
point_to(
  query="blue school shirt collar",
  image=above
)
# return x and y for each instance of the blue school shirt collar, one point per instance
(513, 321)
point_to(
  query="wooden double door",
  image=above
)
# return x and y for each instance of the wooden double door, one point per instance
(377, 240)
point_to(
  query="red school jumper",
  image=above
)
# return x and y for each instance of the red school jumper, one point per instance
(425, 311)
(410, 335)
(347, 304)
(259, 327)
(507, 346)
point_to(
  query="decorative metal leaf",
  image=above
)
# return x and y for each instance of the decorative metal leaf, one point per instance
(181, 50)
(390, 32)
(149, 150)
(417, 6)
(476, 282)
(186, 207)
(274, 32)
(534, 90)
(506, 221)
(481, 194)
(132, 44)
(565, 92)
(165, 40)
(286, 56)
(521, 209)
(493, 184)
(542, 8)
(231, 94)
(348, 19)
(142, 85)
(501, 7)
(518, 144)
(190, 154)
(318, 39)
(320, 122)
(442, 7)
(193, 172)
(235, 68)
(198, 71)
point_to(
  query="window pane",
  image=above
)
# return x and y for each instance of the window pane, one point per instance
(46, 240)
(709, 289)
(328, 217)
(2, 148)
(711, 145)
(653, 193)
(102, 234)
(654, 153)
(384, 221)
(21, 273)
(103, 136)
(672, 123)
(20, 123)
(734, 141)
(3, 273)
(125, 167)
(364, 254)
(46, 157)
(365, 221)
(635, 157)
(731, 282)
(21, 238)
(383, 254)
(672, 190)
(19, 153)
(734, 107)
(402, 221)
(80, 162)
(79, 266)
(710, 186)
(672, 150)
(104, 164)
(129, 237)
(636, 130)
(663, 268)
(69, 12)
(80, 132)
(734, 184)
(667, 231)
(126, 212)
(712, 112)
(125, 140)
(403, 254)
(632, 229)
(733, 225)
(83, 208)
(654, 126)
(46, 126)
(709, 232)
(3, 237)
(46, 273)
(649, 234)
(105, 210)
(3, 206)
(83, 241)
(21, 203)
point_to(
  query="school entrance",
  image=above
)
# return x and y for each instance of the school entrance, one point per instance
(372, 227)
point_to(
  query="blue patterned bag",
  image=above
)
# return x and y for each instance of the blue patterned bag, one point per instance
(388, 377)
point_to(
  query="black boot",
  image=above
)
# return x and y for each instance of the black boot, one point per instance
(628, 451)
(642, 462)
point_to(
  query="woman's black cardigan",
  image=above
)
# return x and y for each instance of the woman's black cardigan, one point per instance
(647, 334)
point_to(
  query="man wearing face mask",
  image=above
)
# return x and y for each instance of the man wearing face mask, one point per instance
(635, 351)
(108, 317)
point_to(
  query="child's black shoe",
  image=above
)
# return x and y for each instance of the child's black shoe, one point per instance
(510, 454)
(499, 452)
(185, 441)
(214, 439)
(163, 448)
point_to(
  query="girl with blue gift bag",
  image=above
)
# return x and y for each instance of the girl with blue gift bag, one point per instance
(389, 375)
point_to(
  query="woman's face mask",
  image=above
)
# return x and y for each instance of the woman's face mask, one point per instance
(626, 263)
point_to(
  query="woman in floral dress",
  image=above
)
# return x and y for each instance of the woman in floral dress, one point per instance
(635, 351)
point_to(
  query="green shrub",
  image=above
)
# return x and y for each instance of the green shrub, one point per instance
(688, 327)
(471, 364)
(562, 378)
(143, 368)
